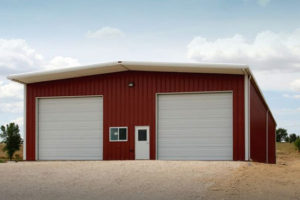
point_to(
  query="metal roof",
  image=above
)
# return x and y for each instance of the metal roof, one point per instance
(119, 66)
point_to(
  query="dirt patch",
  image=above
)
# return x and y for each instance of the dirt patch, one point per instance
(262, 181)
(153, 179)
(111, 179)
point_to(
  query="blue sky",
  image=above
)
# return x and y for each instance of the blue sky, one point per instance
(38, 35)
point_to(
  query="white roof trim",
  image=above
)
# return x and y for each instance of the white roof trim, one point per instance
(119, 66)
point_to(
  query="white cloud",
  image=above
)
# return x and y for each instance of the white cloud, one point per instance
(18, 121)
(276, 81)
(287, 111)
(269, 50)
(17, 56)
(274, 57)
(293, 96)
(11, 90)
(295, 85)
(61, 62)
(263, 2)
(11, 107)
(105, 33)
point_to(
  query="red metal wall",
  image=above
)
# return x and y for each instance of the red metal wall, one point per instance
(124, 106)
(271, 139)
(262, 129)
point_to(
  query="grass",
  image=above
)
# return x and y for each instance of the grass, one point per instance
(282, 149)
(18, 155)
(285, 148)
(286, 152)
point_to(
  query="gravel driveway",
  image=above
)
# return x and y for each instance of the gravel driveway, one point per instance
(111, 179)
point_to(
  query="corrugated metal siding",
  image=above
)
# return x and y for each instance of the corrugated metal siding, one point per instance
(271, 140)
(124, 106)
(260, 140)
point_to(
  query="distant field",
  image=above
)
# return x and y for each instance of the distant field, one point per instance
(4, 156)
(285, 148)
(282, 150)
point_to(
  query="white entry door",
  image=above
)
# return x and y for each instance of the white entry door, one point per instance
(142, 143)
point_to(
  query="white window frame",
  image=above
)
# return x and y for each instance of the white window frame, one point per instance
(118, 127)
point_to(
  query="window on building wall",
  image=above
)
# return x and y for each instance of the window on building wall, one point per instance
(118, 134)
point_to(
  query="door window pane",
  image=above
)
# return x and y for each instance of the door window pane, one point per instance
(142, 135)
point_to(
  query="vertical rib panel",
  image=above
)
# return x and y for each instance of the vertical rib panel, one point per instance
(271, 139)
(124, 106)
(258, 125)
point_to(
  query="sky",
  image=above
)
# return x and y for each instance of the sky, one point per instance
(265, 34)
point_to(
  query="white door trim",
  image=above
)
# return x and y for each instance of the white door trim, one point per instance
(37, 117)
(136, 128)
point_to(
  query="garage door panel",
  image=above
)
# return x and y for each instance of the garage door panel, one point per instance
(70, 125)
(65, 134)
(82, 147)
(195, 126)
(196, 141)
(70, 128)
(67, 108)
(176, 115)
(66, 116)
(66, 143)
(196, 99)
(205, 130)
(216, 102)
(71, 157)
(191, 107)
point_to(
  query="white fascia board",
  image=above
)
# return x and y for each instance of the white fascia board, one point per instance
(178, 64)
(184, 67)
(65, 73)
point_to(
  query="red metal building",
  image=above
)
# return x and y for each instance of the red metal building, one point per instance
(146, 110)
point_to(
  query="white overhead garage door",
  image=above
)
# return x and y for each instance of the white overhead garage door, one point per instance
(70, 128)
(195, 126)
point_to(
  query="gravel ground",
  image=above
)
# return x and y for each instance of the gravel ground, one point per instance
(112, 179)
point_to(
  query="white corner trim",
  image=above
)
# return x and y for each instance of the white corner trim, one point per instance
(24, 122)
(247, 114)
